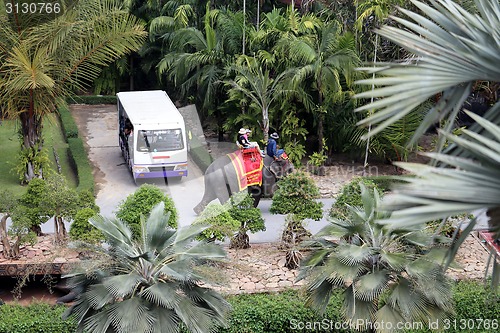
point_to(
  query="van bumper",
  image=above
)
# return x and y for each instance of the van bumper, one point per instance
(160, 174)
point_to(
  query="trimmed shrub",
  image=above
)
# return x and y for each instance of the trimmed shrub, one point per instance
(80, 161)
(82, 230)
(69, 128)
(221, 223)
(350, 194)
(36, 318)
(279, 313)
(283, 312)
(295, 195)
(92, 99)
(141, 202)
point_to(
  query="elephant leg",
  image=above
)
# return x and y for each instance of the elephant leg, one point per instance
(256, 193)
(207, 197)
(224, 195)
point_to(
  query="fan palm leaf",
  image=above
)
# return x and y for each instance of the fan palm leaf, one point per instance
(384, 277)
(454, 49)
(155, 278)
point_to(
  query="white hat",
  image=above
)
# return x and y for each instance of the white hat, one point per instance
(275, 135)
(242, 131)
(248, 130)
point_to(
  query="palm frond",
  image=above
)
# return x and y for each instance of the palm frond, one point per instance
(438, 192)
(454, 49)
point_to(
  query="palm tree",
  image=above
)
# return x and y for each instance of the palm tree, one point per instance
(42, 61)
(147, 285)
(198, 59)
(454, 50)
(385, 275)
(325, 62)
(256, 82)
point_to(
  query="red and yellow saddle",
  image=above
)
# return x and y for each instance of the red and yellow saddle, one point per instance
(248, 164)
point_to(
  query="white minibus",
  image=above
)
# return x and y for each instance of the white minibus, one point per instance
(152, 135)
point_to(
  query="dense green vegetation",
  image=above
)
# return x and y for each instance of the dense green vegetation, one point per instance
(291, 71)
(53, 139)
(262, 313)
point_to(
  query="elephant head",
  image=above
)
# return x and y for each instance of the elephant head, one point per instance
(273, 171)
(281, 167)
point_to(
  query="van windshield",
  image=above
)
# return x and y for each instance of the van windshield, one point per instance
(159, 140)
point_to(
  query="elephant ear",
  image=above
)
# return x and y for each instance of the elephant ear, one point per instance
(276, 168)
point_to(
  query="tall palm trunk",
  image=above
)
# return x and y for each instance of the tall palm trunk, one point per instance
(320, 117)
(265, 123)
(32, 142)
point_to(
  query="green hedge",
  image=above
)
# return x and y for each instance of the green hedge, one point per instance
(279, 313)
(37, 318)
(78, 156)
(76, 151)
(199, 153)
(266, 313)
(70, 130)
(92, 99)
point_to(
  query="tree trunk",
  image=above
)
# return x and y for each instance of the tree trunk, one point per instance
(320, 132)
(320, 117)
(60, 230)
(265, 123)
(220, 125)
(3, 237)
(32, 144)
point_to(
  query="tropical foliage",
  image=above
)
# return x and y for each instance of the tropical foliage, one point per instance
(156, 278)
(221, 223)
(454, 50)
(44, 59)
(387, 274)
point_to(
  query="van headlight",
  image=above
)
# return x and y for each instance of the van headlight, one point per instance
(140, 169)
(181, 167)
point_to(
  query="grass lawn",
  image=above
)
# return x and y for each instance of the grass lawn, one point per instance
(9, 148)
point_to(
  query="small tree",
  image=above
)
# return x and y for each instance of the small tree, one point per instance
(350, 195)
(221, 223)
(20, 232)
(82, 230)
(250, 219)
(7, 204)
(141, 202)
(35, 209)
(62, 202)
(295, 197)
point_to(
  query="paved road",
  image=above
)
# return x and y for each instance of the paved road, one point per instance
(98, 127)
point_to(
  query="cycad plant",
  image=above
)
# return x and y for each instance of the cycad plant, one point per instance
(388, 275)
(147, 285)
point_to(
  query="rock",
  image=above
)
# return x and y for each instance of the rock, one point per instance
(60, 260)
(285, 283)
(248, 286)
(272, 285)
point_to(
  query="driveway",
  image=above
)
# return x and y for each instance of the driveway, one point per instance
(98, 127)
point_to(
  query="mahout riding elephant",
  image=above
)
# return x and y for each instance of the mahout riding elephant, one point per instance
(221, 180)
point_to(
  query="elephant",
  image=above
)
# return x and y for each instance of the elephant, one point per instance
(221, 180)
